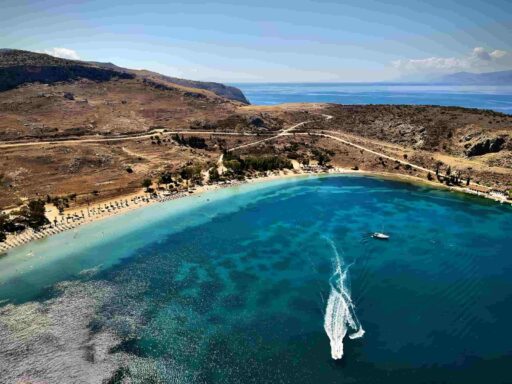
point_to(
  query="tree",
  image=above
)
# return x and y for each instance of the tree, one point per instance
(468, 179)
(214, 174)
(234, 165)
(33, 215)
(177, 138)
(196, 142)
(4, 219)
(321, 156)
(146, 183)
(238, 166)
(457, 177)
(165, 178)
(192, 141)
(438, 166)
(190, 172)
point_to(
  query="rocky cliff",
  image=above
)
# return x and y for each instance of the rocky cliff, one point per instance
(21, 67)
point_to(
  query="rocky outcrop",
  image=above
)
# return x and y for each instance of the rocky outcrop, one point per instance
(226, 91)
(487, 145)
(18, 67)
(12, 77)
(222, 90)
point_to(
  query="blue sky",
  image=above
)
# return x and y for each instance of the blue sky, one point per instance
(237, 41)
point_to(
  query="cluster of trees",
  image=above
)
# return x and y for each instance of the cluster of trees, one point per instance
(323, 156)
(155, 140)
(165, 178)
(192, 141)
(255, 163)
(213, 174)
(189, 173)
(60, 202)
(147, 183)
(31, 215)
(4, 219)
(451, 177)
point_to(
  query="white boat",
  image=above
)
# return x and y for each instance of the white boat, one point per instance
(380, 236)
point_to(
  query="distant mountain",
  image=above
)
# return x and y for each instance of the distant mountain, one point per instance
(486, 78)
(19, 67)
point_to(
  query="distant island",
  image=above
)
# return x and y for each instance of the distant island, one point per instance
(468, 78)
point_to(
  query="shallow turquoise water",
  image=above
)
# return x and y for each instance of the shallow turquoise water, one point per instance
(231, 287)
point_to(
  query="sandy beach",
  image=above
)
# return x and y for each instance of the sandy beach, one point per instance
(77, 216)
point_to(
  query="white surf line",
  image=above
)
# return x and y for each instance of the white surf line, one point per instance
(340, 312)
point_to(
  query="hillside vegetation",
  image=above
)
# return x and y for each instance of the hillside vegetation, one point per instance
(95, 130)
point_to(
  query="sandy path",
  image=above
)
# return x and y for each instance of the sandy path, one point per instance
(118, 138)
(380, 154)
(283, 132)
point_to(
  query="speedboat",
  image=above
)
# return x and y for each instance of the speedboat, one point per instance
(380, 236)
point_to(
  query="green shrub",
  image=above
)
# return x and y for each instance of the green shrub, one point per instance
(255, 163)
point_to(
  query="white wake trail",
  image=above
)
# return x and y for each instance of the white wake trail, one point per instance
(340, 313)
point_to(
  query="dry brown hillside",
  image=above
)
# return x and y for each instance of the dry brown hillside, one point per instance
(100, 134)
(453, 131)
(114, 107)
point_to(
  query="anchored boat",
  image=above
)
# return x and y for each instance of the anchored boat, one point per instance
(380, 236)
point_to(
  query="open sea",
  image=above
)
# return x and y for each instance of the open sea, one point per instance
(266, 283)
(497, 98)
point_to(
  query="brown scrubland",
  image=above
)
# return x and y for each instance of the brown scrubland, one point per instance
(100, 136)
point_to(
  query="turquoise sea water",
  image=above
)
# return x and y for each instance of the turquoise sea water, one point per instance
(498, 98)
(233, 287)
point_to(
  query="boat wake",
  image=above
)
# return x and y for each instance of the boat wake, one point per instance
(340, 316)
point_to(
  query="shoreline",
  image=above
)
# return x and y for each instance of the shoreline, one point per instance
(127, 203)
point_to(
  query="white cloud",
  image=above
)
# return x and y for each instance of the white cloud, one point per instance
(479, 59)
(63, 53)
(497, 54)
(431, 64)
(481, 53)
